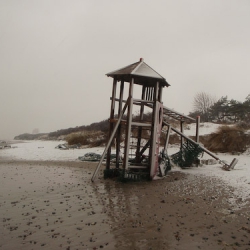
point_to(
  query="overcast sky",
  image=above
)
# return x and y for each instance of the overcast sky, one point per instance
(54, 55)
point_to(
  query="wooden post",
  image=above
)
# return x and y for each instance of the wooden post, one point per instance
(160, 94)
(182, 133)
(152, 94)
(138, 155)
(111, 125)
(129, 121)
(109, 142)
(118, 136)
(147, 93)
(197, 128)
(153, 131)
(167, 139)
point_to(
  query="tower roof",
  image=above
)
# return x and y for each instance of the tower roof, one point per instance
(141, 72)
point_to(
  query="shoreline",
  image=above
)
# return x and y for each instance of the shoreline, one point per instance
(54, 205)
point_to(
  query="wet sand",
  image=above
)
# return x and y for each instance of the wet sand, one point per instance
(54, 205)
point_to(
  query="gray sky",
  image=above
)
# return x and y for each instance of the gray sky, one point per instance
(54, 55)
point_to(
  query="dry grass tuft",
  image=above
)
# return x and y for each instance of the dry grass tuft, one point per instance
(231, 139)
(243, 125)
(90, 138)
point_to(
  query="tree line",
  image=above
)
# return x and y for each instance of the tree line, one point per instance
(222, 110)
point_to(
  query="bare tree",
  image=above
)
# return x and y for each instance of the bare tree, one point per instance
(248, 98)
(202, 104)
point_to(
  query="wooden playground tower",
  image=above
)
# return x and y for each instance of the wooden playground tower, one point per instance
(137, 141)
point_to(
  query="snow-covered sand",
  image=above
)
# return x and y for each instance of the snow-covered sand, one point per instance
(44, 151)
(206, 128)
(239, 178)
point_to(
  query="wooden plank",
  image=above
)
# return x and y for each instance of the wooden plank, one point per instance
(137, 167)
(162, 170)
(179, 115)
(109, 142)
(111, 126)
(172, 113)
(197, 129)
(138, 156)
(181, 124)
(231, 166)
(140, 101)
(233, 163)
(115, 120)
(154, 157)
(118, 135)
(160, 94)
(167, 139)
(129, 120)
(141, 124)
(145, 147)
(136, 101)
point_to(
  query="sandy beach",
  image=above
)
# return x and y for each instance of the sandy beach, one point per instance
(54, 205)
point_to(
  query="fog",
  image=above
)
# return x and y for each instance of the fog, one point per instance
(54, 55)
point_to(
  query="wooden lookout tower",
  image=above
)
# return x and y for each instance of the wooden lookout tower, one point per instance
(142, 135)
(137, 138)
(137, 141)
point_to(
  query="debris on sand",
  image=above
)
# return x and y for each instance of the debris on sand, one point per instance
(4, 144)
(66, 146)
(90, 157)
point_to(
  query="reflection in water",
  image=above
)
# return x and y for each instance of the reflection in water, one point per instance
(133, 221)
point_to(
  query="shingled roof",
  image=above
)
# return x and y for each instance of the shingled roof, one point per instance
(141, 72)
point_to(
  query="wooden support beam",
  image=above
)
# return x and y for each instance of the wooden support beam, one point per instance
(129, 121)
(111, 126)
(154, 132)
(181, 125)
(138, 156)
(145, 147)
(109, 142)
(197, 128)
(146, 93)
(124, 122)
(167, 139)
(118, 136)
(152, 93)
(135, 101)
(141, 124)
(160, 94)
(177, 114)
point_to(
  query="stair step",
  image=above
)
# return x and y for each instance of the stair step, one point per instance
(137, 167)
(141, 124)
